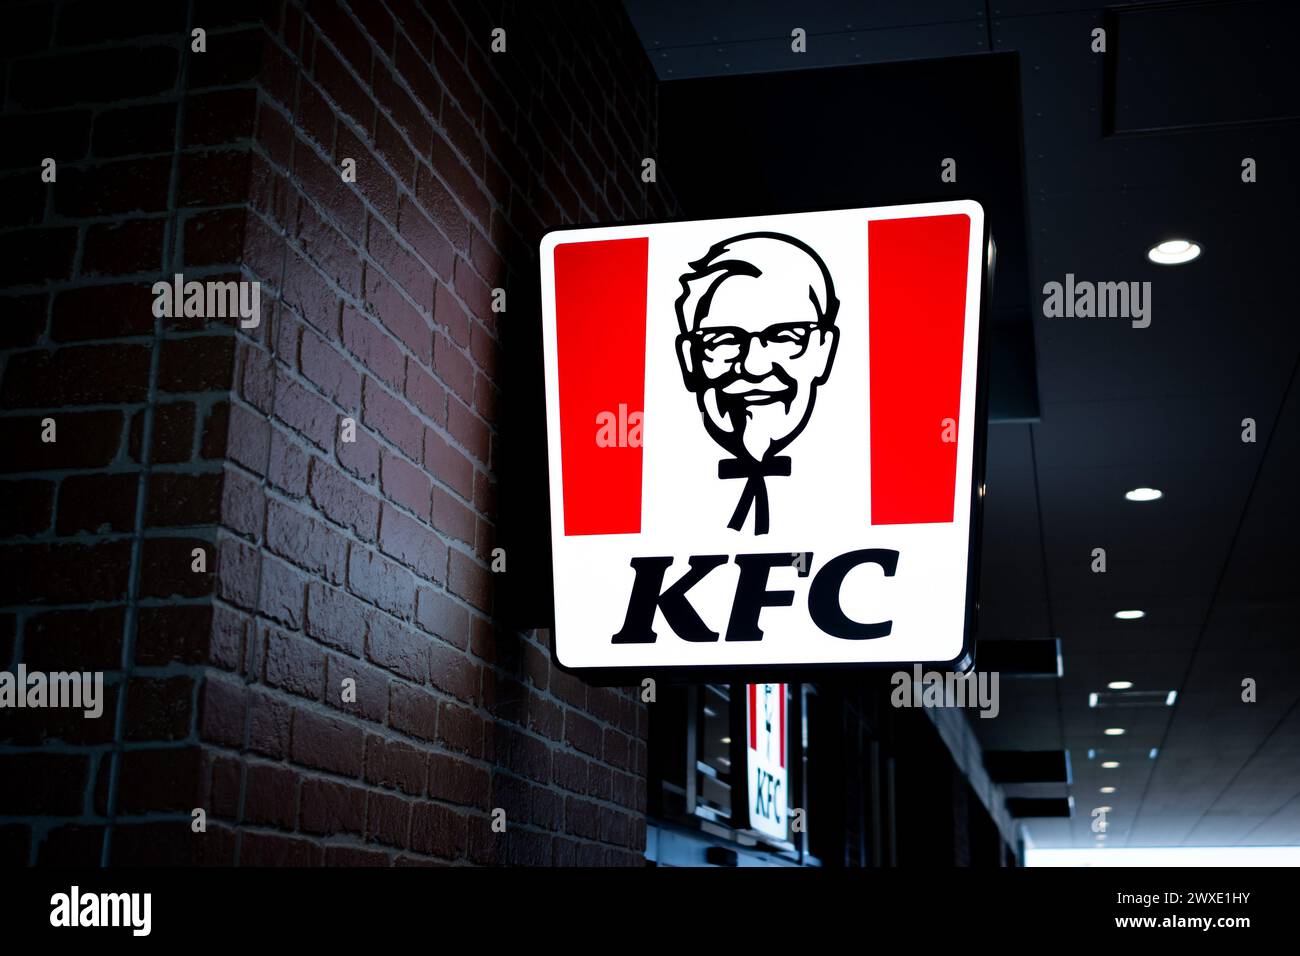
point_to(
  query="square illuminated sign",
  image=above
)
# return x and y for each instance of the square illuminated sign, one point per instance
(763, 438)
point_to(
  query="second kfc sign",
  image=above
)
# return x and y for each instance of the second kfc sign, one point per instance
(763, 437)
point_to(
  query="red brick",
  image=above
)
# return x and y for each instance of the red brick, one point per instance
(337, 618)
(469, 580)
(425, 393)
(470, 430)
(215, 178)
(398, 316)
(308, 543)
(438, 831)
(271, 849)
(404, 268)
(222, 709)
(282, 596)
(338, 83)
(453, 367)
(97, 503)
(306, 290)
(405, 484)
(306, 412)
(360, 457)
(395, 765)
(330, 371)
(398, 648)
(458, 781)
(324, 183)
(224, 116)
(451, 517)
(388, 818)
(44, 784)
(342, 501)
(330, 808)
(413, 544)
(394, 420)
(77, 375)
(243, 504)
(74, 640)
(378, 351)
(460, 729)
(328, 249)
(451, 316)
(173, 433)
(269, 723)
(439, 614)
(183, 499)
(294, 664)
(448, 464)
(326, 743)
(199, 363)
(412, 711)
(217, 237)
(381, 582)
(373, 181)
(582, 734)
(371, 688)
(270, 796)
(454, 672)
(123, 248)
(64, 573)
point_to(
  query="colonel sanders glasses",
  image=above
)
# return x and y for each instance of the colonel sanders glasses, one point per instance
(730, 344)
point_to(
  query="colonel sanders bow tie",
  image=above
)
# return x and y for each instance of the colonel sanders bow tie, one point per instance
(755, 492)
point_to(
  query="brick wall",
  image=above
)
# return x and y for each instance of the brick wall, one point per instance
(152, 150)
(331, 560)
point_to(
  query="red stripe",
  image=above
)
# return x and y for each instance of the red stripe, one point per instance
(781, 691)
(600, 328)
(753, 716)
(918, 303)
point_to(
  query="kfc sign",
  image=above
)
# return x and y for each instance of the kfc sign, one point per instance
(763, 436)
(767, 778)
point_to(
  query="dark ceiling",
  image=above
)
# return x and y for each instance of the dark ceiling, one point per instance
(1120, 151)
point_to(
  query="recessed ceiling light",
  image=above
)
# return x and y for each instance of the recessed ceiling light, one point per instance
(726, 740)
(1113, 731)
(1144, 494)
(1120, 684)
(1129, 615)
(1106, 790)
(1110, 764)
(1105, 809)
(1170, 698)
(1173, 252)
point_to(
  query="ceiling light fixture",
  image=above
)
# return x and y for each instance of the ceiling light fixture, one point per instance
(1173, 252)
(1120, 684)
(1106, 790)
(1110, 764)
(1144, 494)
(1113, 731)
(1129, 615)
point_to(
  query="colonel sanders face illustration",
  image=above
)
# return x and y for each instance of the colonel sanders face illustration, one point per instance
(757, 316)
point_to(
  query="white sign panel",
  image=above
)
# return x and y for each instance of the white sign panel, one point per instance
(767, 787)
(762, 436)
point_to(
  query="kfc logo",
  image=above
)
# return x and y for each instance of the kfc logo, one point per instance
(805, 381)
(766, 789)
(758, 336)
